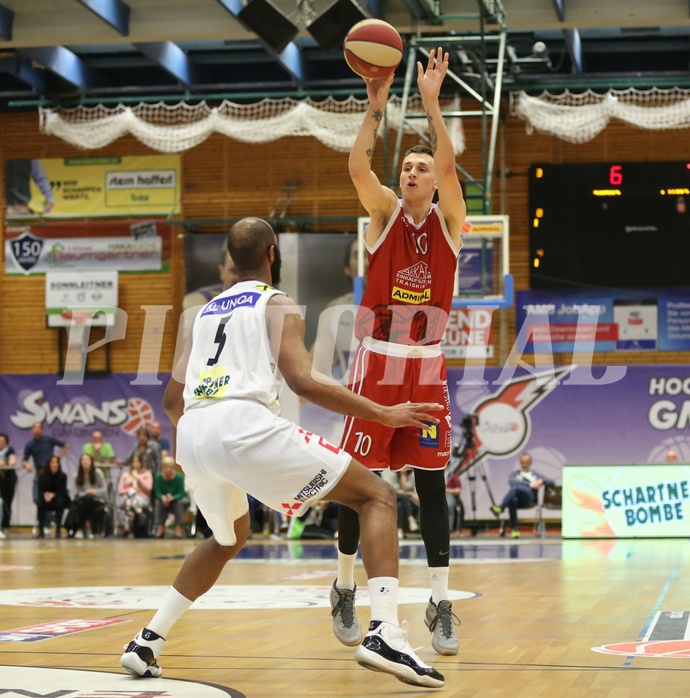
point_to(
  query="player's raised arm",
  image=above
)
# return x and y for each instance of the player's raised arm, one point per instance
(376, 199)
(286, 331)
(450, 198)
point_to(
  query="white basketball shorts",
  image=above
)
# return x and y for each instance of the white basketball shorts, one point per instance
(232, 448)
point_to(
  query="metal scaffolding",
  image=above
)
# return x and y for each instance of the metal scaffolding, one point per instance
(487, 79)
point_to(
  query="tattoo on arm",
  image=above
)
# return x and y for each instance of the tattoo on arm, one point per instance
(433, 137)
(377, 116)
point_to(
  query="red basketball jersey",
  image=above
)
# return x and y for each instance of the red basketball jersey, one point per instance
(410, 281)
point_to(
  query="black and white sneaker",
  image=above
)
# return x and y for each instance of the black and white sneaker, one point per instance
(141, 654)
(385, 648)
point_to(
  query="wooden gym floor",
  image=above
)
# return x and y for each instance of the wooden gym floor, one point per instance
(532, 611)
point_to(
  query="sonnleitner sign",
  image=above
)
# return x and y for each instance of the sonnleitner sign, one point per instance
(87, 291)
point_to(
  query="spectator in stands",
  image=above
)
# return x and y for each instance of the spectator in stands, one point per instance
(52, 496)
(40, 450)
(227, 275)
(8, 481)
(524, 485)
(87, 512)
(407, 500)
(320, 521)
(134, 489)
(336, 329)
(671, 456)
(163, 443)
(147, 449)
(101, 451)
(169, 497)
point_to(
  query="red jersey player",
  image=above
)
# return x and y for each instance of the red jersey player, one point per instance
(413, 246)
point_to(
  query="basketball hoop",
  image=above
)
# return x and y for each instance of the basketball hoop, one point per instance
(79, 323)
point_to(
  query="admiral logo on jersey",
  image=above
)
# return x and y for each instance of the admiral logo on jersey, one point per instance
(213, 384)
(412, 285)
(227, 305)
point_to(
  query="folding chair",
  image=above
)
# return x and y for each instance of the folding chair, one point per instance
(551, 497)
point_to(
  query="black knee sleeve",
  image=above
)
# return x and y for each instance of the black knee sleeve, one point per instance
(433, 516)
(348, 530)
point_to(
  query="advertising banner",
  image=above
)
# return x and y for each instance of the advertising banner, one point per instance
(86, 291)
(126, 245)
(626, 501)
(468, 334)
(568, 415)
(109, 404)
(610, 320)
(87, 187)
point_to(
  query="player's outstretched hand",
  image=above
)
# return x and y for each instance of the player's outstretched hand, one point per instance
(429, 79)
(410, 414)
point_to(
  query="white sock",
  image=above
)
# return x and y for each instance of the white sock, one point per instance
(346, 571)
(383, 596)
(173, 606)
(439, 583)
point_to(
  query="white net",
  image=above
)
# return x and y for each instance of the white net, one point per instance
(578, 118)
(175, 128)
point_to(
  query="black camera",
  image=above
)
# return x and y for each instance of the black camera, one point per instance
(469, 422)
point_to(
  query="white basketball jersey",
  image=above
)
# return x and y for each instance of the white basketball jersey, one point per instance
(231, 355)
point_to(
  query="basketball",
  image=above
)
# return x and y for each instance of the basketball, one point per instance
(373, 48)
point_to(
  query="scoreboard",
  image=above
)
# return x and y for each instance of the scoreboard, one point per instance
(609, 225)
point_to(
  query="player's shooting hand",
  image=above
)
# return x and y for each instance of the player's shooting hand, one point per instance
(429, 80)
(377, 88)
(410, 414)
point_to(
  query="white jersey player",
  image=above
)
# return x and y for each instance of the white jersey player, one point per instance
(232, 441)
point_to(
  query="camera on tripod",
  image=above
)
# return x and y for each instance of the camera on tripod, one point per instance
(466, 445)
(468, 424)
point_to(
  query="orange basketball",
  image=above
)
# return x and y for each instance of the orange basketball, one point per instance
(373, 48)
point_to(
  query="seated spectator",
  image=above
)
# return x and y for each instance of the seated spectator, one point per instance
(52, 496)
(169, 497)
(320, 521)
(134, 489)
(524, 484)
(671, 456)
(147, 449)
(456, 510)
(39, 450)
(163, 443)
(407, 500)
(87, 512)
(8, 481)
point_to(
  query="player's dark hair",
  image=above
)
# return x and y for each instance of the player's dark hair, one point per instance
(248, 242)
(419, 149)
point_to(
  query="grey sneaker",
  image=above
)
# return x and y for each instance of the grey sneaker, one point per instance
(440, 620)
(345, 624)
(141, 654)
